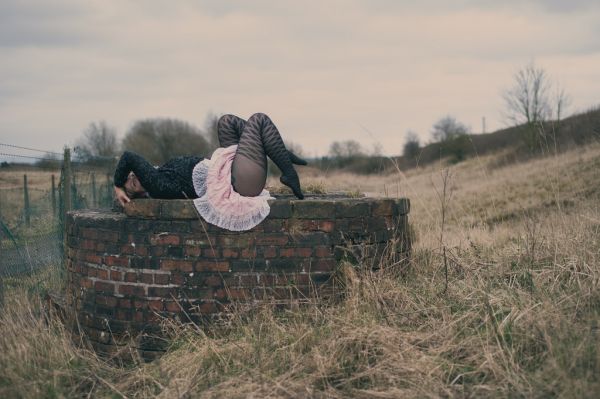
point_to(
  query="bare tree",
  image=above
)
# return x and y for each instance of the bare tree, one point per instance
(98, 143)
(528, 101)
(211, 130)
(412, 146)
(159, 140)
(448, 128)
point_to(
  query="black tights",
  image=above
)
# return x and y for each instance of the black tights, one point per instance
(256, 138)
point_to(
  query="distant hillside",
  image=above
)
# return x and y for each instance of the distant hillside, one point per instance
(575, 130)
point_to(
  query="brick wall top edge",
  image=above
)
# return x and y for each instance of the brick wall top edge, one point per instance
(317, 208)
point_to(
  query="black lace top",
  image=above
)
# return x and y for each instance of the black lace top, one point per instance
(170, 181)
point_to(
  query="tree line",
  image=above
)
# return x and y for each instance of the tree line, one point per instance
(532, 100)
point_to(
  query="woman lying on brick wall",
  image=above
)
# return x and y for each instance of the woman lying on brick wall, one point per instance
(228, 189)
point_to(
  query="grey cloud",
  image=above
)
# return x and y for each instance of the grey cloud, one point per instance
(33, 23)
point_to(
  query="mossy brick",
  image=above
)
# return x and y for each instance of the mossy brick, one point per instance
(241, 240)
(143, 208)
(175, 251)
(241, 265)
(403, 206)
(200, 241)
(313, 209)
(310, 239)
(178, 209)
(280, 209)
(137, 225)
(274, 225)
(383, 207)
(352, 209)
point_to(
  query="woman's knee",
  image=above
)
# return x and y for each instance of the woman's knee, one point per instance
(224, 120)
(260, 117)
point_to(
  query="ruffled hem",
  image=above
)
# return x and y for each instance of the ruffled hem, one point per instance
(232, 222)
(218, 203)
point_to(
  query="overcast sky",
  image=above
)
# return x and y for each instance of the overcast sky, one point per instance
(323, 70)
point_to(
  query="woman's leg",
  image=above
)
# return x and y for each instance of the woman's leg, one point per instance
(229, 130)
(259, 138)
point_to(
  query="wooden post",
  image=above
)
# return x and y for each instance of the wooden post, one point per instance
(68, 179)
(94, 198)
(26, 201)
(53, 197)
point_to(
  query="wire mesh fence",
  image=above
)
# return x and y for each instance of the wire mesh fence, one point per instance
(33, 202)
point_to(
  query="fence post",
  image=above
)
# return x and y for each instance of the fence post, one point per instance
(67, 187)
(109, 192)
(53, 196)
(26, 201)
(94, 198)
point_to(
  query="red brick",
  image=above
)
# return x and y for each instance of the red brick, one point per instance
(210, 252)
(324, 265)
(125, 303)
(139, 304)
(161, 279)
(238, 293)
(303, 252)
(85, 283)
(156, 305)
(181, 265)
(172, 306)
(123, 314)
(327, 226)
(104, 287)
(286, 252)
(323, 252)
(220, 294)
(102, 274)
(89, 233)
(177, 279)
(230, 253)
(310, 225)
(130, 277)
(87, 244)
(135, 290)
(147, 278)
(250, 280)
(213, 281)
(138, 316)
(127, 249)
(116, 261)
(249, 253)
(165, 239)
(141, 250)
(109, 236)
(116, 275)
(207, 308)
(93, 258)
(192, 251)
(100, 247)
(270, 252)
(162, 292)
(212, 266)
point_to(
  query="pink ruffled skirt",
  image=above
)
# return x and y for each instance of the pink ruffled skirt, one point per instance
(218, 203)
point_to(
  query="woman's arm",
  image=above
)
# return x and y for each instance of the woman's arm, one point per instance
(159, 183)
(132, 162)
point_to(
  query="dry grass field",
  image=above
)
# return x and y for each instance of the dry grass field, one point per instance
(502, 299)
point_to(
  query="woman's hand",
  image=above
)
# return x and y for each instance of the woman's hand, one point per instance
(121, 196)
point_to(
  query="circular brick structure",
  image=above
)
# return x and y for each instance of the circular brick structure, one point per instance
(127, 270)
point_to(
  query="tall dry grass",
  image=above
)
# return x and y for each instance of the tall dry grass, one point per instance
(515, 316)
